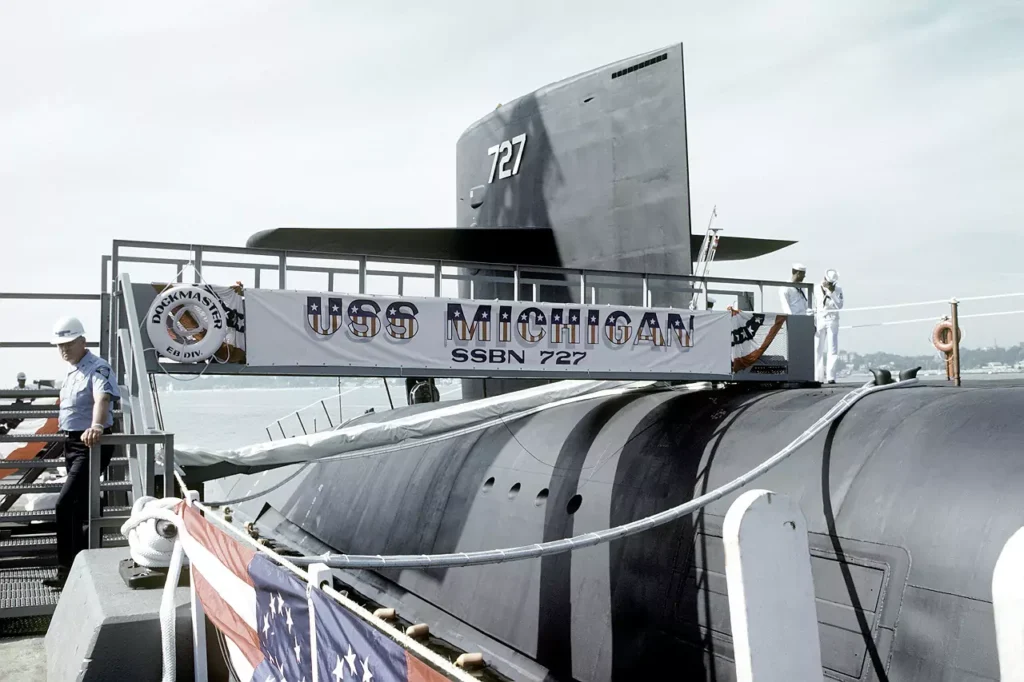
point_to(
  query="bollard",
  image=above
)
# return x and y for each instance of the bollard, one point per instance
(1008, 608)
(771, 592)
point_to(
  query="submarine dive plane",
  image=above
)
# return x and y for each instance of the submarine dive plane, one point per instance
(909, 497)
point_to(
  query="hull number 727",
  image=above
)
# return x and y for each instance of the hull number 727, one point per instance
(504, 152)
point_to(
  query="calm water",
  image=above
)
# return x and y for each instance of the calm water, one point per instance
(231, 418)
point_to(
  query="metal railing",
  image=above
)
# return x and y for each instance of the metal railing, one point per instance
(437, 278)
(590, 283)
(138, 485)
(337, 409)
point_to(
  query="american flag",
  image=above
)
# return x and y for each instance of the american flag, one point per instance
(365, 323)
(263, 612)
(458, 327)
(324, 319)
(349, 649)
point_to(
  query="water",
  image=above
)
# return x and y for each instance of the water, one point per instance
(232, 418)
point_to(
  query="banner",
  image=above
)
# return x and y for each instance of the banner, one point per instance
(297, 328)
(760, 343)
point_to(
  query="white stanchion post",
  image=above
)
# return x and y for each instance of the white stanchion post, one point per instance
(198, 617)
(771, 592)
(1008, 607)
(318, 575)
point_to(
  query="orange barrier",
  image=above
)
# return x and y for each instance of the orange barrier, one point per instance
(28, 451)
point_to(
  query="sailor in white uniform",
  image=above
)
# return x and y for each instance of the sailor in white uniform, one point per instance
(829, 301)
(794, 299)
(87, 397)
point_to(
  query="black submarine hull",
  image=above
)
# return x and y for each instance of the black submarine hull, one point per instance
(909, 499)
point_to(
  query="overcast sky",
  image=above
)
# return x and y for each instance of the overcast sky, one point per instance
(888, 141)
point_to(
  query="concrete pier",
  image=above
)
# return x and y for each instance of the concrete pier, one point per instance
(102, 630)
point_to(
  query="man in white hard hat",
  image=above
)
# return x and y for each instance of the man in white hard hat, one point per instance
(21, 380)
(826, 344)
(87, 397)
(794, 299)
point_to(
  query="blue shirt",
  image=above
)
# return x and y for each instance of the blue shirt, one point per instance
(84, 384)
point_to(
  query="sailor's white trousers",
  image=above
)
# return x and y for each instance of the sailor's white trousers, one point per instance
(826, 349)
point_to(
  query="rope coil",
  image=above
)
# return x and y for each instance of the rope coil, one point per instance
(148, 530)
(151, 535)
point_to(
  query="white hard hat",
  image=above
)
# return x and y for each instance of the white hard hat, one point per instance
(67, 329)
(831, 276)
(799, 267)
(21, 376)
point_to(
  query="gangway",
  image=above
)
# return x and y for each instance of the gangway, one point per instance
(303, 276)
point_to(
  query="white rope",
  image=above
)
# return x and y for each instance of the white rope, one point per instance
(936, 302)
(150, 548)
(494, 556)
(932, 319)
(147, 545)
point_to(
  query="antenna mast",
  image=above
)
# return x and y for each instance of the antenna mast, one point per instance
(704, 260)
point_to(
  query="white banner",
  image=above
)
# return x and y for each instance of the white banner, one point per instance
(298, 328)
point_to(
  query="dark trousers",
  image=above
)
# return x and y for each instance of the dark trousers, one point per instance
(73, 501)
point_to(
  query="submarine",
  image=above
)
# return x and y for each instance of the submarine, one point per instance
(909, 496)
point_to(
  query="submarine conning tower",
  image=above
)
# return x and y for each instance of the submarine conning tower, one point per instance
(599, 159)
(589, 172)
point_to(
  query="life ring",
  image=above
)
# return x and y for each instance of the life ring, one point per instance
(943, 331)
(186, 323)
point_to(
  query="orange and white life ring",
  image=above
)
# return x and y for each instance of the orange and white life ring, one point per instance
(942, 336)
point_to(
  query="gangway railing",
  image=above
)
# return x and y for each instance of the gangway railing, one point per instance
(138, 485)
(435, 275)
(334, 411)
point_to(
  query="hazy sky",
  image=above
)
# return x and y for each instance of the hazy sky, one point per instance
(888, 141)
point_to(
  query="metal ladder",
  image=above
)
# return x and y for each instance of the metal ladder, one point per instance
(28, 542)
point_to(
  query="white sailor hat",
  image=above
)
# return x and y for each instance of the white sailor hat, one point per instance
(799, 267)
(831, 276)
